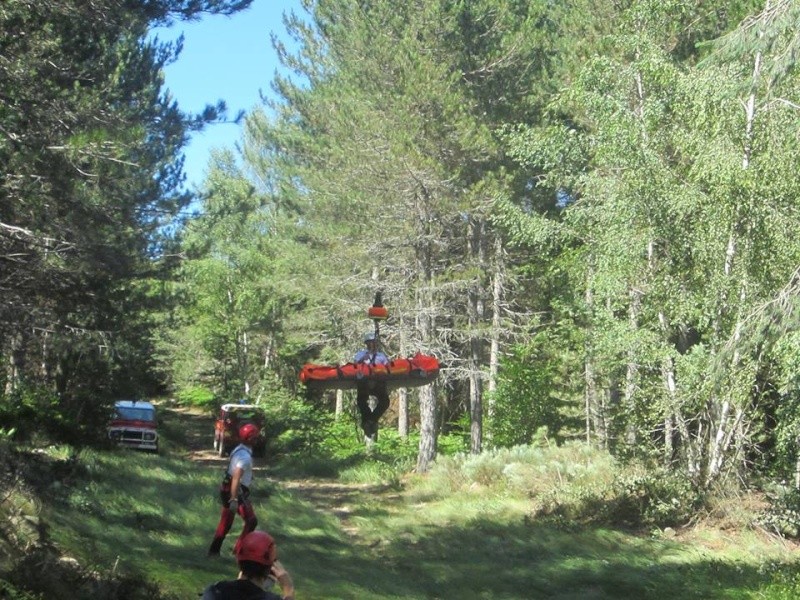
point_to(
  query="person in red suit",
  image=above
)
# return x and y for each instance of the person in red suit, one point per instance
(235, 489)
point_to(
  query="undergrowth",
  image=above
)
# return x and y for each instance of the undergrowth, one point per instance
(540, 521)
(570, 484)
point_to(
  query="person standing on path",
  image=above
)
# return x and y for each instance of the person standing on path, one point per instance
(234, 491)
(259, 567)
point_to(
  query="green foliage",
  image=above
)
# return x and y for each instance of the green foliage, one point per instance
(235, 297)
(451, 443)
(90, 189)
(293, 427)
(9, 592)
(381, 468)
(638, 498)
(363, 538)
(524, 469)
(527, 395)
(665, 180)
(784, 582)
(40, 416)
(326, 447)
(570, 485)
(783, 514)
(197, 396)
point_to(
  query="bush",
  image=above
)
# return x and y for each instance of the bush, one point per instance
(526, 398)
(636, 498)
(40, 416)
(783, 515)
(9, 592)
(197, 396)
(525, 470)
(573, 483)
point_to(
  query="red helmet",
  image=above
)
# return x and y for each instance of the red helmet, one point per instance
(248, 433)
(258, 547)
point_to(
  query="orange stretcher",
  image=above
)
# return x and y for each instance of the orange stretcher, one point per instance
(416, 371)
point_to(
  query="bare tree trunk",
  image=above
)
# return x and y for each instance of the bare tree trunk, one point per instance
(669, 439)
(339, 410)
(402, 393)
(425, 325)
(497, 307)
(46, 367)
(268, 352)
(427, 428)
(721, 440)
(632, 372)
(402, 412)
(244, 364)
(15, 362)
(494, 345)
(590, 389)
(475, 412)
(475, 313)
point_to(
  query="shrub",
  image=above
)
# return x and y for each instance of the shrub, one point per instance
(636, 498)
(39, 415)
(526, 398)
(9, 592)
(783, 514)
(197, 396)
(570, 483)
(525, 470)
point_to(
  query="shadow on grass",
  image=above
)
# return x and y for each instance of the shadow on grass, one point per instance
(486, 560)
(158, 513)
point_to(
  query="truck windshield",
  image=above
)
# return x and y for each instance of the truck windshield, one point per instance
(136, 414)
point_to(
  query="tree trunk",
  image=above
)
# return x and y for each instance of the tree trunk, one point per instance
(339, 410)
(632, 372)
(594, 400)
(402, 412)
(590, 389)
(475, 313)
(497, 303)
(14, 363)
(475, 412)
(722, 438)
(425, 328)
(427, 428)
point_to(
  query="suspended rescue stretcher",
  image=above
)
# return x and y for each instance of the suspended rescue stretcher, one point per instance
(415, 371)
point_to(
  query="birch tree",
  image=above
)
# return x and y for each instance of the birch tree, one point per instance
(657, 180)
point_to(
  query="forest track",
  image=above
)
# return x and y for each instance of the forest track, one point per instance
(324, 495)
(340, 500)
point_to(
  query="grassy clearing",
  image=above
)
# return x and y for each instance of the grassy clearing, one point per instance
(472, 528)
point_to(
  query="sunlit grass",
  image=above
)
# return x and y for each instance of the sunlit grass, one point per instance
(465, 530)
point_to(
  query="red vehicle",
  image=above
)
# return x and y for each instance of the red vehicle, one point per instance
(134, 425)
(226, 428)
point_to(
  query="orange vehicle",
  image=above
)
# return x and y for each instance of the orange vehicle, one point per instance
(226, 428)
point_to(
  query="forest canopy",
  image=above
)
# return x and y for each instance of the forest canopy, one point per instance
(586, 210)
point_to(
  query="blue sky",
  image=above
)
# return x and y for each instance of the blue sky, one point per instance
(228, 58)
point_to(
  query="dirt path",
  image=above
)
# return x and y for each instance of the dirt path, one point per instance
(334, 498)
(330, 497)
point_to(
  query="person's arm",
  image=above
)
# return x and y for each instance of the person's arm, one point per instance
(236, 479)
(283, 578)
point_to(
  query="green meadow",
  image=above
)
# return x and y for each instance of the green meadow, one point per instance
(471, 528)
